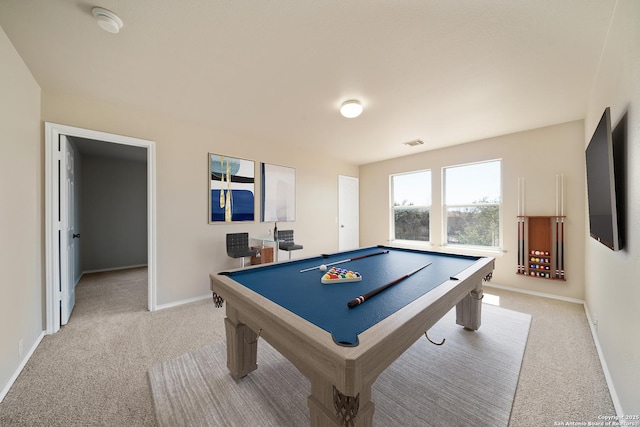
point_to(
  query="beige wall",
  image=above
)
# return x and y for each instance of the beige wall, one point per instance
(188, 248)
(613, 278)
(21, 214)
(537, 156)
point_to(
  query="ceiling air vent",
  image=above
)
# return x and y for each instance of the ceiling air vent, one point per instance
(414, 142)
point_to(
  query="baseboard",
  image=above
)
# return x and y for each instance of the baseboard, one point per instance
(15, 375)
(182, 302)
(101, 270)
(534, 293)
(603, 362)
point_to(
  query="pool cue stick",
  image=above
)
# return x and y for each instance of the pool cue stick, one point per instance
(524, 253)
(524, 256)
(562, 249)
(557, 255)
(520, 264)
(519, 249)
(362, 298)
(521, 255)
(345, 260)
(562, 225)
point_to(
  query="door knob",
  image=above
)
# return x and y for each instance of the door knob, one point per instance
(76, 236)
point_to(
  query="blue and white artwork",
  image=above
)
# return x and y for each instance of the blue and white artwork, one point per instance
(231, 189)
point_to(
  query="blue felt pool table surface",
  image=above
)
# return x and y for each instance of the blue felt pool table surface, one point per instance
(325, 305)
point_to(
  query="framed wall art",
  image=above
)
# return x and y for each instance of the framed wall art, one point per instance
(231, 189)
(278, 193)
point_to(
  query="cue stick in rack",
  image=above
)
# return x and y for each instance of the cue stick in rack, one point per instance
(562, 226)
(520, 246)
(345, 260)
(519, 263)
(523, 256)
(562, 248)
(557, 254)
(362, 298)
(524, 253)
(519, 228)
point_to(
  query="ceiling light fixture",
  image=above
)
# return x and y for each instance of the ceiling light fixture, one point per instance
(107, 20)
(351, 108)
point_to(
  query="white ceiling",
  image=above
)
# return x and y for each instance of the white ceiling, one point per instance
(444, 71)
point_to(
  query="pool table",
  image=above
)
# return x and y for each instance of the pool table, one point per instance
(342, 349)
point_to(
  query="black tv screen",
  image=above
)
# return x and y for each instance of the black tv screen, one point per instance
(601, 186)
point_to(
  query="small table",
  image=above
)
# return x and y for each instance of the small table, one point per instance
(268, 240)
(264, 255)
(342, 350)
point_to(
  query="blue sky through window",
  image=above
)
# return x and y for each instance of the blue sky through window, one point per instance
(467, 184)
(412, 188)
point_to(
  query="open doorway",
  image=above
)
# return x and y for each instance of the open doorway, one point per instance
(63, 144)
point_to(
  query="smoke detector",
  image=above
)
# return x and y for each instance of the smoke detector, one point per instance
(107, 20)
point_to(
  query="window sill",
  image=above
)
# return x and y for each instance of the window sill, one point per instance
(451, 249)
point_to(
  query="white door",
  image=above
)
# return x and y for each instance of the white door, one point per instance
(67, 230)
(348, 213)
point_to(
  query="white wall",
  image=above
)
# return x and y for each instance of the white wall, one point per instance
(188, 247)
(537, 155)
(613, 278)
(21, 211)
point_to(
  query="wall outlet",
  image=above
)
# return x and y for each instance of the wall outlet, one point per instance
(20, 347)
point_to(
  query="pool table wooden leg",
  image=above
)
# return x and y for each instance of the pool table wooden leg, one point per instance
(242, 346)
(328, 407)
(469, 309)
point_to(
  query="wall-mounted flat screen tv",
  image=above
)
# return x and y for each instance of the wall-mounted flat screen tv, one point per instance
(604, 225)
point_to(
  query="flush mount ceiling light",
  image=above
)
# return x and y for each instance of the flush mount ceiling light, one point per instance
(351, 108)
(107, 20)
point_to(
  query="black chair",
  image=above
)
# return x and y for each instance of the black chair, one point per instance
(238, 246)
(285, 237)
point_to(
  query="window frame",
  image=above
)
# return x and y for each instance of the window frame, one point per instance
(445, 209)
(392, 210)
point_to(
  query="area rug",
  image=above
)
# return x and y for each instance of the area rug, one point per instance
(469, 381)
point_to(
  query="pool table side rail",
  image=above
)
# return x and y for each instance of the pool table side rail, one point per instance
(395, 334)
(308, 347)
(312, 350)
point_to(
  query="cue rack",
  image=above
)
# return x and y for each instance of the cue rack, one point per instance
(541, 239)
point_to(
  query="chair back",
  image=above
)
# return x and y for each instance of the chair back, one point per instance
(237, 242)
(285, 236)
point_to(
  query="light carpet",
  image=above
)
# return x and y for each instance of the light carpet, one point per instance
(468, 381)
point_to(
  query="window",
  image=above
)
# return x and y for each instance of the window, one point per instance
(411, 201)
(472, 197)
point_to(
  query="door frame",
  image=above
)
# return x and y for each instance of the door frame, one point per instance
(52, 193)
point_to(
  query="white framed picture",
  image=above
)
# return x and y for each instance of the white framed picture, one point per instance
(278, 193)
